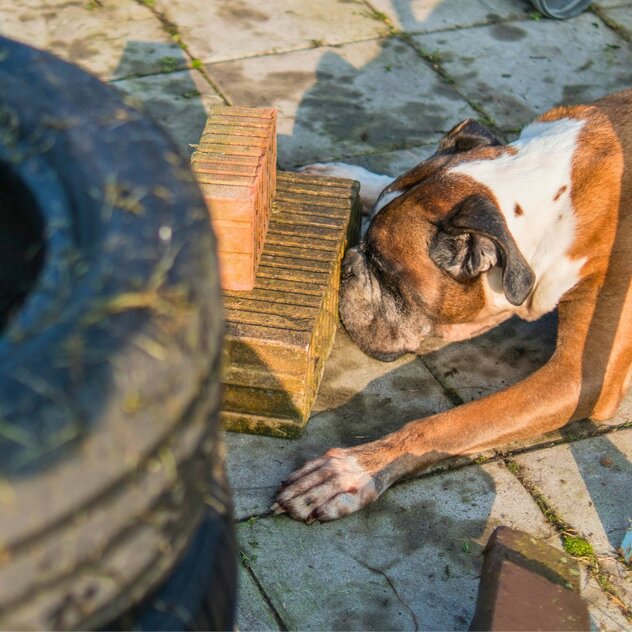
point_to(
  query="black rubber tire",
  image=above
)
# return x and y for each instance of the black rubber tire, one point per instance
(111, 464)
(561, 9)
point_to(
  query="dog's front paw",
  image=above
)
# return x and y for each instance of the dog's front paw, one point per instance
(327, 488)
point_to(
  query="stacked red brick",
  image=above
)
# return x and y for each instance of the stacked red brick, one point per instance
(235, 165)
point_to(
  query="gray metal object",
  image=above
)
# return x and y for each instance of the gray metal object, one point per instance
(561, 9)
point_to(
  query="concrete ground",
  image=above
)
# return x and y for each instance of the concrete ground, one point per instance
(377, 83)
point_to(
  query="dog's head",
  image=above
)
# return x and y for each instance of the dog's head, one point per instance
(420, 278)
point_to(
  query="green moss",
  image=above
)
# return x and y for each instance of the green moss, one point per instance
(576, 546)
(196, 63)
(513, 467)
(190, 94)
(604, 581)
(168, 64)
(380, 16)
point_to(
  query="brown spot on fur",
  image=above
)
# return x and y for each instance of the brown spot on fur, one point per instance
(518, 210)
(558, 195)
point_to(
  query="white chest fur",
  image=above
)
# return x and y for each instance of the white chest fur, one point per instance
(532, 186)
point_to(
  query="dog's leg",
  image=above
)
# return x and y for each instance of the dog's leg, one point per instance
(345, 480)
(371, 184)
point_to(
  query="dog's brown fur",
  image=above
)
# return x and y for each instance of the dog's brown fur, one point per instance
(591, 368)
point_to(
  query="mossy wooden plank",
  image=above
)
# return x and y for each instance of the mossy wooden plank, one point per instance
(272, 320)
(313, 190)
(278, 296)
(309, 219)
(285, 348)
(293, 275)
(301, 242)
(279, 335)
(258, 424)
(307, 231)
(247, 304)
(230, 160)
(297, 263)
(294, 252)
(283, 209)
(302, 179)
(288, 285)
(250, 376)
(267, 402)
(312, 200)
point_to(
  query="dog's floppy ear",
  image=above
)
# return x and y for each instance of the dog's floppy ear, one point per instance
(467, 135)
(475, 238)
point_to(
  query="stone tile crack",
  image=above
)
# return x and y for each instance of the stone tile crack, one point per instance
(379, 571)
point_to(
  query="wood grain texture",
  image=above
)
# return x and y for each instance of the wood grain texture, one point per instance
(235, 165)
(279, 334)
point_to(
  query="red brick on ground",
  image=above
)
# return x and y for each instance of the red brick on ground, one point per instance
(235, 165)
(528, 585)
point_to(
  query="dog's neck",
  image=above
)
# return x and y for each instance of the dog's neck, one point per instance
(532, 184)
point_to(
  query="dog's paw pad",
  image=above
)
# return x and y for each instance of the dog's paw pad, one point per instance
(327, 488)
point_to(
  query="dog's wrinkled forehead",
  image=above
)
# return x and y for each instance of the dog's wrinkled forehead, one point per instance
(463, 138)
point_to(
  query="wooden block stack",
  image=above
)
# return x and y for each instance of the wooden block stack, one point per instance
(279, 335)
(235, 165)
(280, 288)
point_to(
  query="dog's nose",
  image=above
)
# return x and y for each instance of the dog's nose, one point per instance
(350, 263)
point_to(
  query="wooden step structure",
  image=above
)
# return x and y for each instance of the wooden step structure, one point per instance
(235, 165)
(280, 333)
(281, 239)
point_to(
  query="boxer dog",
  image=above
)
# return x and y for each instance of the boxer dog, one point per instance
(475, 234)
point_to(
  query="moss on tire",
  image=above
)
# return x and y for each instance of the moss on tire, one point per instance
(110, 457)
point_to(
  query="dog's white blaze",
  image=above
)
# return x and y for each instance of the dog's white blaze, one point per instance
(536, 180)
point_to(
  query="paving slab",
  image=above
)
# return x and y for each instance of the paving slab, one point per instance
(393, 163)
(422, 16)
(621, 17)
(109, 38)
(218, 31)
(253, 613)
(613, 3)
(516, 71)
(605, 616)
(497, 359)
(348, 100)
(588, 484)
(179, 101)
(359, 400)
(411, 561)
